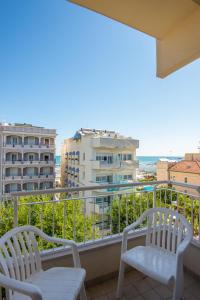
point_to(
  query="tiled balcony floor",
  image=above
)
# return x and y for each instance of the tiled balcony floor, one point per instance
(140, 287)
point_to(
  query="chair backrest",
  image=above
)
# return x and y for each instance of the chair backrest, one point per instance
(166, 229)
(19, 254)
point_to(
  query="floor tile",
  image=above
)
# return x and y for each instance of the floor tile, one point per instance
(137, 286)
(151, 295)
(130, 292)
(142, 285)
(163, 291)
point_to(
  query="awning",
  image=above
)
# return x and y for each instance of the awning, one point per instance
(174, 23)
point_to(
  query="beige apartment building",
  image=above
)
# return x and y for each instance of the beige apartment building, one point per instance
(96, 157)
(26, 158)
(186, 171)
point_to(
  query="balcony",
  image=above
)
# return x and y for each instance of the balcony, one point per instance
(116, 164)
(13, 177)
(27, 177)
(13, 162)
(29, 162)
(30, 146)
(38, 177)
(48, 176)
(110, 143)
(98, 231)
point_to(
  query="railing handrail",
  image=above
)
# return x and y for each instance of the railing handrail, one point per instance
(102, 187)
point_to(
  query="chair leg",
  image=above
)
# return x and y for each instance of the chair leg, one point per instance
(120, 279)
(83, 295)
(178, 287)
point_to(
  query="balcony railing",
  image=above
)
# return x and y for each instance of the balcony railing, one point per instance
(29, 177)
(96, 164)
(32, 130)
(86, 216)
(34, 146)
(29, 162)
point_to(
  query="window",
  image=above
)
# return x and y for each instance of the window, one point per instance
(103, 201)
(83, 155)
(15, 140)
(129, 156)
(31, 157)
(127, 177)
(186, 180)
(46, 141)
(125, 156)
(14, 157)
(83, 175)
(105, 158)
(104, 178)
(110, 159)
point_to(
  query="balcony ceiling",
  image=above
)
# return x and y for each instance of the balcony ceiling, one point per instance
(174, 23)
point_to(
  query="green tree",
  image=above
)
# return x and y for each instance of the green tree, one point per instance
(126, 209)
(65, 218)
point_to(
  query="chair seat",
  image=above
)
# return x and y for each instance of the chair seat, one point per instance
(154, 262)
(57, 283)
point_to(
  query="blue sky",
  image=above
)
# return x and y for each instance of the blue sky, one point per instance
(64, 67)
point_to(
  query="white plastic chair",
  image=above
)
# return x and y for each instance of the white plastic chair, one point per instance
(22, 273)
(168, 236)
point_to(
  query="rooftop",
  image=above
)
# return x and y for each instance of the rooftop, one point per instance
(99, 133)
(25, 127)
(186, 166)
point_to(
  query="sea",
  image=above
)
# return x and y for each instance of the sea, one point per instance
(146, 163)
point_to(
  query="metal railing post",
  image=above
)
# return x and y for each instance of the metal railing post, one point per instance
(154, 196)
(15, 206)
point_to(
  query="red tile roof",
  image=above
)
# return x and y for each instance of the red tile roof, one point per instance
(186, 166)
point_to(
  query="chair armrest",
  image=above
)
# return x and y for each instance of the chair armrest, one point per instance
(182, 247)
(22, 287)
(70, 243)
(129, 228)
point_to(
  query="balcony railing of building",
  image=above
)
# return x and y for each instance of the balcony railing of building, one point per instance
(98, 164)
(35, 146)
(15, 162)
(79, 214)
(29, 176)
(34, 130)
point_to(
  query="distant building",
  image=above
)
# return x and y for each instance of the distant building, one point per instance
(186, 171)
(26, 158)
(96, 157)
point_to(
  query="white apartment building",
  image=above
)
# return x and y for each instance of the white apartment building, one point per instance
(26, 158)
(95, 157)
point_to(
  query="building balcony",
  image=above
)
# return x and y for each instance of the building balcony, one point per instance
(110, 143)
(13, 177)
(100, 241)
(27, 177)
(13, 146)
(30, 146)
(29, 162)
(39, 177)
(116, 164)
(47, 162)
(47, 176)
(13, 162)
(129, 164)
